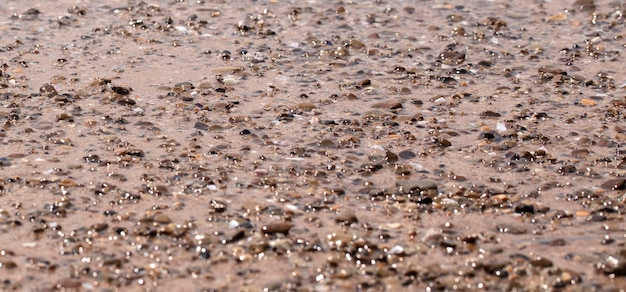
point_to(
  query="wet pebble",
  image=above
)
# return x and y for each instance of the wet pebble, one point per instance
(415, 185)
(614, 184)
(346, 217)
(612, 264)
(407, 154)
(276, 227)
(48, 90)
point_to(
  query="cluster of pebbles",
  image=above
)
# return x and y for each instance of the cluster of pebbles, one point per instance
(312, 146)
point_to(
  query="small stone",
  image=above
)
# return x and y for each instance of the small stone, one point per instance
(510, 228)
(201, 126)
(305, 106)
(121, 90)
(587, 102)
(346, 217)
(127, 101)
(557, 17)
(407, 154)
(614, 264)
(580, 153)
(161, 218)
(614, 184)
(541, 262)
(415, 185)
(391, 104)
(276, 227)
(47, 90)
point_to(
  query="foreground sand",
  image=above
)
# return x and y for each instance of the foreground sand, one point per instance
(312, 146)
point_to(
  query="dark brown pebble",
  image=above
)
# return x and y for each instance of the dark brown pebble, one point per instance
(541, 262)
(8, 265)
(349, 96)
(557, 242)
(32, 11)
(326, 143)
(346, 217)
(513, 229)
(276, 227)
(484, 63)
(218, 206)
(127, 101)
(65, 117)
(580, 153)
(66, 284)
(388, 105)
(452, 57)
(391, 157)
(490, 114)
(364, 83)
(443, 142)
(567, 169)
(132, 152)
(585, 5)
(47, 90)
(121, 90)
(92, 158)
(183, 86)
(614, 184)
(489, 135)
(99, 227)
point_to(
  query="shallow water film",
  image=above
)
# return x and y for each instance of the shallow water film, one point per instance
(312, 145)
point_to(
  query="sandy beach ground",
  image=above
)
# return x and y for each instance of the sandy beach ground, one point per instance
(205, 145)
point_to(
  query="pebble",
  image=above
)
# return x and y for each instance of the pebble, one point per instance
(614, 184)
(346, 217)
(276, 227)
(415, 185)
(213, 147)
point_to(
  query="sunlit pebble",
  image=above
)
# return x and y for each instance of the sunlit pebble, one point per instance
(500, 127)
(230, 80)
(377, 147)
(397, 250)
(138, 110)
(294, 158)
(88, 286)
(212, 187)
(440, 101)
(417, 166)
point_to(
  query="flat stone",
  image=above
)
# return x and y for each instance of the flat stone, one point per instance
(276, 227)
(346, 217)
(415, 185)
(614, 184)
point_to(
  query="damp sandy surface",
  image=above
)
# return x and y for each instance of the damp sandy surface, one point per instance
(312, 146)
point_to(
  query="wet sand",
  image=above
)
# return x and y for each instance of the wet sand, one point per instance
(312, 146)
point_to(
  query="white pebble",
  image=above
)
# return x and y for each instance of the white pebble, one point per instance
(500, 127)
(396, 250)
